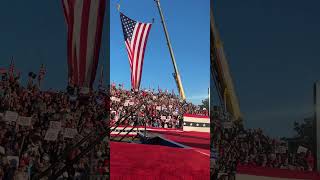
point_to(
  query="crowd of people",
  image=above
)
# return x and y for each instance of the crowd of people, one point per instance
(38, 127)
(159, 109)
(235, 146)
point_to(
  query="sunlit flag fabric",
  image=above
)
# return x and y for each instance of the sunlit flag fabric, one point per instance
(84, 20)
(135, 37)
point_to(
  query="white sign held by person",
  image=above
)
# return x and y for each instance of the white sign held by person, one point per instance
(2, 150)
(70, 133)
(281, 149)
(24, 121)
(55, 125)
(302, 149)
(84, 90)
(51, 135)
(11, 116)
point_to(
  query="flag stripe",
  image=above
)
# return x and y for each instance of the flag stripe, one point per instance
(84, 38)
(134, 50)
(144, 47)
(92, 27)
(139, 57)
(136, 54)
(98, 38)
(84, 19)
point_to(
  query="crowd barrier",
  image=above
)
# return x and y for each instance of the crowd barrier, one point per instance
(274, 173)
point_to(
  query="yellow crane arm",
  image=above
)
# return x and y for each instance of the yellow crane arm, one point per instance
(219, 64)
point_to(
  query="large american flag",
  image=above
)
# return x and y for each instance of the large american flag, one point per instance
(84, 20)
(135, 36)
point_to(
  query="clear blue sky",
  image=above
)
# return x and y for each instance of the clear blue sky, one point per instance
(273, 50)
(34, 32)
(188, 26)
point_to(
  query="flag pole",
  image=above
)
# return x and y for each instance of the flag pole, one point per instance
(176, 74)
(118, 6)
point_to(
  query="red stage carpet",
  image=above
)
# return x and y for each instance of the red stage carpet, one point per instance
(200, 141)
(153, 162)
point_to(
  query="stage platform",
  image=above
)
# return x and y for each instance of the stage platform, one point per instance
(152, 162)
(181, 155)
(199, 141)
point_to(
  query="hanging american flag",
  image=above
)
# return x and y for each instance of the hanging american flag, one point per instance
(84, 20)
(135, 36)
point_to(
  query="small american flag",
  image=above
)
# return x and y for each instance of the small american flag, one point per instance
(11, 67)
(135, 36)
(42, 72)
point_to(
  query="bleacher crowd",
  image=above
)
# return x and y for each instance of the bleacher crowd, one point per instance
(159, 109)
(236, 146)
(37, 127)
